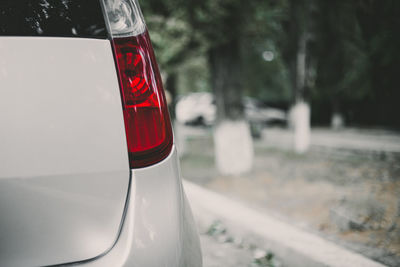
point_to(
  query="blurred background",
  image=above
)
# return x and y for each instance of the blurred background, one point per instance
(292, 107)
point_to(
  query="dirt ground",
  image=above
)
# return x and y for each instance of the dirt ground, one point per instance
(351, 197)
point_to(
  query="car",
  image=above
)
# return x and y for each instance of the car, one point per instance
(258, 113)
(196, 109)
(199, 108)
(89, 174)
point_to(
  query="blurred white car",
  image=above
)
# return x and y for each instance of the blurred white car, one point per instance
(200, 109)
(89, 173)
(256, 112)
(196, 108)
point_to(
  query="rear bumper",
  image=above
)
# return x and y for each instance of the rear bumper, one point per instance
(158, 229)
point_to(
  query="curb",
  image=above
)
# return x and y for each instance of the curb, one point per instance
(293, 246)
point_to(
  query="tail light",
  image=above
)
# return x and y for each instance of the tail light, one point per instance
(147, 124)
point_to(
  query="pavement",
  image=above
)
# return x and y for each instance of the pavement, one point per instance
(217, 253)
(293, 246)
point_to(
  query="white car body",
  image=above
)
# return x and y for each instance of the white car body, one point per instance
(200, 108)
(196, 107)
(67, 193)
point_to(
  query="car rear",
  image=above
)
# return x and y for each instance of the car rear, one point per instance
(88, 168)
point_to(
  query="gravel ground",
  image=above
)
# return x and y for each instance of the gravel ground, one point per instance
(221, 249)
(216, 254)
(340, 191)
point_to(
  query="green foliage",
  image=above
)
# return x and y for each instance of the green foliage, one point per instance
(265, 80)
(356, 47)
(194, 76)
(170, 38)
(353, 63)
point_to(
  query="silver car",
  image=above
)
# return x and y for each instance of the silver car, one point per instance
(89, 173)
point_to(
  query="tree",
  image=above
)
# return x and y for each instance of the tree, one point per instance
(232, 139)
(170, 35)
(296, 49)
(379, 23)
(220, 29)
(225, 27)
(356, 46)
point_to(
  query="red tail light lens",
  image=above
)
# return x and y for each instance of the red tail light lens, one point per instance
(147, 123)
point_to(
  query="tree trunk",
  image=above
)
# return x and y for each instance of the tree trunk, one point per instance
(302, 129)
(301, 123)
(227, 80)
(179, 133)
(337, 118)
(232, 138)
(170, 86)
(300, 71)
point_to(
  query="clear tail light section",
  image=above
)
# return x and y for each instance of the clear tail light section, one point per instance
(147, 123)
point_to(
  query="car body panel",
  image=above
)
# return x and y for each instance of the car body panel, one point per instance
(64, 170)
(159, 229)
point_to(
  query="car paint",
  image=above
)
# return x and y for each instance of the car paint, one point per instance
(64, 170)
(159, 229)
(67, 195)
